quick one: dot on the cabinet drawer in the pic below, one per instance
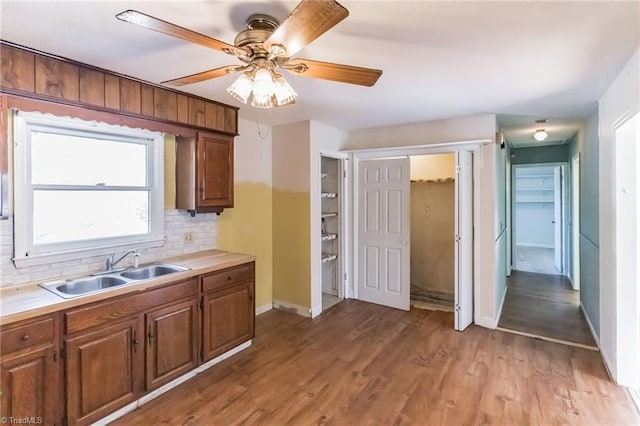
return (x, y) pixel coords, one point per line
(24, 336)
(127, 306)
(224, 278)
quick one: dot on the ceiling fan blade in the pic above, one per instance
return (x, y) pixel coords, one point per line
(308, 21)
(336, 72)
(202, 76)
(164, 27)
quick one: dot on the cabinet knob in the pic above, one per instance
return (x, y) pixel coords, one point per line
(229, 278)
(26, 337)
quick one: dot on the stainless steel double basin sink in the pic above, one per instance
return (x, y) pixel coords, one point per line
(102, 282)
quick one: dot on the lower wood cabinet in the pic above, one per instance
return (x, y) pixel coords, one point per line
(172, 342)
(103, 370)
(30, 371)
(228, 313)
(118, 349)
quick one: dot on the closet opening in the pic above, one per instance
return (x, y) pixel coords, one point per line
(332, 230)
(433, 199)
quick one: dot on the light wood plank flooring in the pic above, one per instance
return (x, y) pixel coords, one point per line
(544, 305)
(360, 363)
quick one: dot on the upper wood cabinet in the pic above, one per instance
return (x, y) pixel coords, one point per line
(30, 371)
(30, 74)
(204, 173)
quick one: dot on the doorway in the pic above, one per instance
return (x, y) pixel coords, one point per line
(538, 218)
(383, 239)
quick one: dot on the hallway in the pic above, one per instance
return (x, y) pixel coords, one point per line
(544, 305)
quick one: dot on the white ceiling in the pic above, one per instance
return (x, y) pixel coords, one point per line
(521, 60)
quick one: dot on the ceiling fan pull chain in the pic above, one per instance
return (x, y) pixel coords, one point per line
(266, 134)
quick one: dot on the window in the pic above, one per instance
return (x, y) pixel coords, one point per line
(84, 188)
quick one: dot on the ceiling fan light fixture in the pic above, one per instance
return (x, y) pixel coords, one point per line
(263, 88)
(241, 88)
(283, 91)
(540, 135)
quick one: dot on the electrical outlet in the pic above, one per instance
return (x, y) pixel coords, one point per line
(187, 238)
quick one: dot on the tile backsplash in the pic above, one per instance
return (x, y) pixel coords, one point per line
(176, 224)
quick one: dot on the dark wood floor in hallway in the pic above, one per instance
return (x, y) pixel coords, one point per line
(544, 305)
(360, 363)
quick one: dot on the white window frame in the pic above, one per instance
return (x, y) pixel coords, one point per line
(25, 253)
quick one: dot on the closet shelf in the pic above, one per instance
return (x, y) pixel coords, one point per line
(328, 236)
(433, 180)
(328, 214)
(328, 195)
(327, 257)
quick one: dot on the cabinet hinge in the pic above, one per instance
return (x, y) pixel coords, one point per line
(55, 356)
(458, 169)
(345, 276)
(65, 422)
(344, 173)
(63, 353)
(201, 304)
(458, 238)
(457, 308)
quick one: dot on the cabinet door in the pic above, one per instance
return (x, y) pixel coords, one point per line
(228, 319)
(172, 342)
(214, 170)
(104, 371)
(30, 385)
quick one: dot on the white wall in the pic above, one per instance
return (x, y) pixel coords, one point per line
(620, 101)
(489, 290)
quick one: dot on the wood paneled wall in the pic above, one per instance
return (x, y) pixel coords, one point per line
(34, 75)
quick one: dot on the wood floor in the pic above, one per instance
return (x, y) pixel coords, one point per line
(361, 364)
(544, 305)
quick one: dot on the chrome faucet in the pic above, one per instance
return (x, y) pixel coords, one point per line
(110, 263)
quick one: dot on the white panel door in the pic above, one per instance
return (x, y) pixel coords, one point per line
(383, 232)
(557, 216)
(464, 241)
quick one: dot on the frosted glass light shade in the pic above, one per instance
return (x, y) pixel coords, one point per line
(241, 88)
(283, 92)
(263, 88)
(540, 135)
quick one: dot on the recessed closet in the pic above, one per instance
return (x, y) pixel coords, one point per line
(433, 230)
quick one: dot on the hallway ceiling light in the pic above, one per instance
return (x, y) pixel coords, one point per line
(540, 134)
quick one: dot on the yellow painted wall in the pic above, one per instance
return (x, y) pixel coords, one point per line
(433, 167)
(247, 228)
(291, 247)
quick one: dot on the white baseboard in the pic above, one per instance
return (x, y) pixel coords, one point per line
(264, 308)
(593, 331)
(316, 310)
(292, 307)
(504, 296)
(486, 322)
(165, 388)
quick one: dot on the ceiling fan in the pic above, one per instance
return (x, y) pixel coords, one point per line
(264, 47)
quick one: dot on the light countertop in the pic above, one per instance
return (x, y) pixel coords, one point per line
(29, 300)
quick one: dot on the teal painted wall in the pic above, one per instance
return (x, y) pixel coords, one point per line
(542, 154)
(586, 144)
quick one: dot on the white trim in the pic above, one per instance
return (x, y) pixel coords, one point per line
(504, 296)
(486, 322)
(264, 308)
(475, 147)
(402, 151)
(593, 331)
(292, 307)
(28, 254)
(174, 383)
(635, 397)
(316, 310)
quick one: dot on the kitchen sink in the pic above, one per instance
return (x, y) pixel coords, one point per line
(151, 271)
(93, 284)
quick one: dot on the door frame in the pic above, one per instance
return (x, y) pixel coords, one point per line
(575, 222)
(564, 229)
(344, 231)
(406, 151)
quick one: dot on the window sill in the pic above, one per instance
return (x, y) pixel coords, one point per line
(45, 259)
